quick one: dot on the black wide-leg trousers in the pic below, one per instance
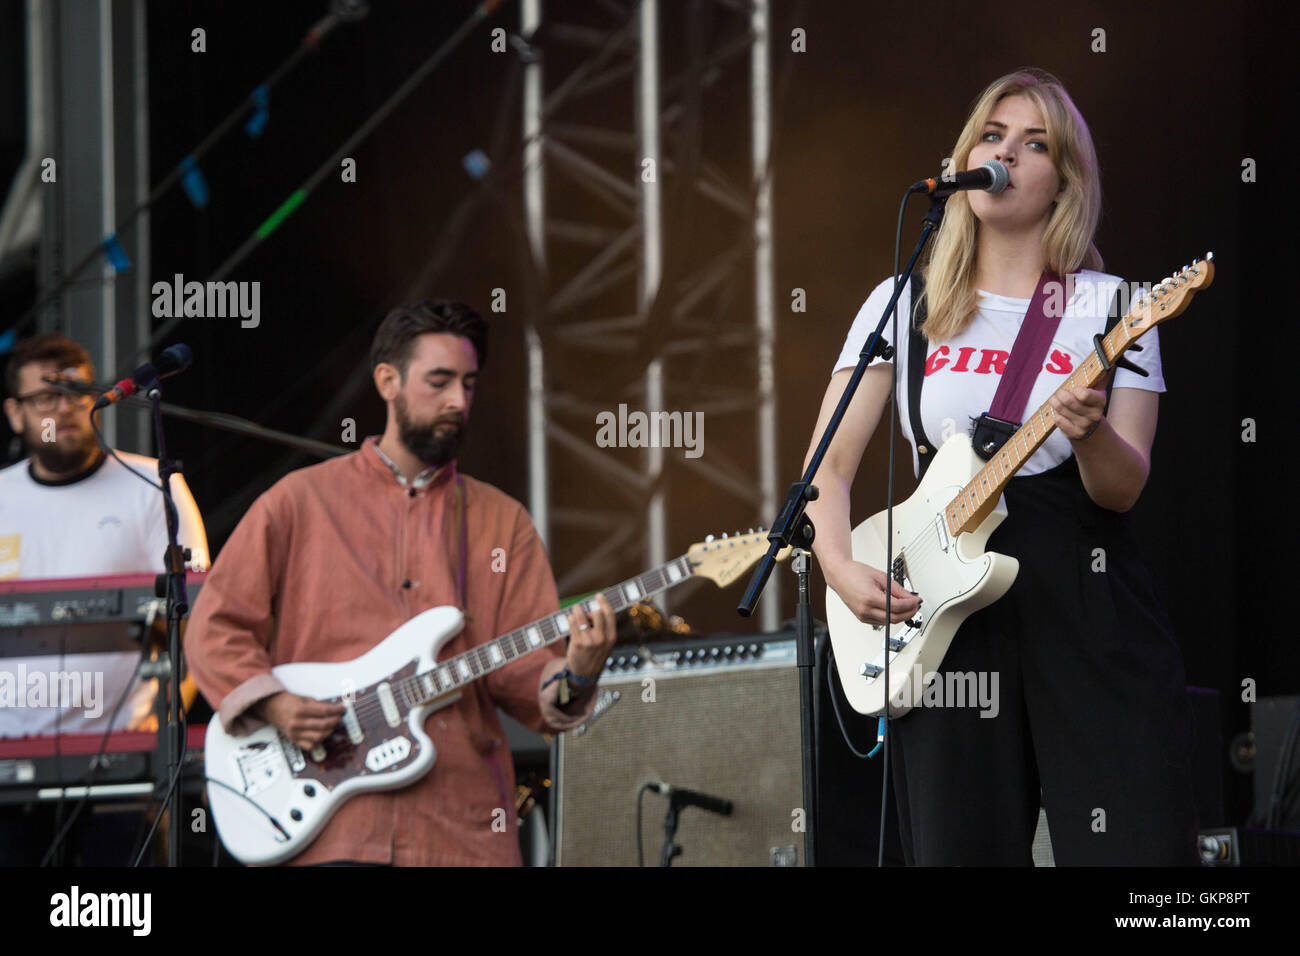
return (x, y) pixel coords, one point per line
(1091, 708)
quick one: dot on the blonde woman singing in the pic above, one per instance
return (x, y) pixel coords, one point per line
(1092, 717)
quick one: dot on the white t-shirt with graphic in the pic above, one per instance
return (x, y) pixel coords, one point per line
(109, 522)
(963, 373)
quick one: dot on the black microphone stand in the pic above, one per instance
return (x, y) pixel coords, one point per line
(793, 528)
(670, 849)
(171, 585)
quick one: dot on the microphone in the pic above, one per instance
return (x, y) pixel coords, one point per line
(691, 798)
(175, 358)
(991, 176)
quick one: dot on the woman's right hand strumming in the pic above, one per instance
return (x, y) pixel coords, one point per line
(862, 589)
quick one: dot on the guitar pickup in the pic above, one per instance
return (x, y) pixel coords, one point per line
(352, 725)
(941, 532)
(388, 703)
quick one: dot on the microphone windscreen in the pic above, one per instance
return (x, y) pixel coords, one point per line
(1001, 176)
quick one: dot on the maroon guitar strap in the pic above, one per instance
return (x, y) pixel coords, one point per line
(1029, 350)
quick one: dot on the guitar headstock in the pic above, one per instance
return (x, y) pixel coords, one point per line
(723, 559)
(1172, 295)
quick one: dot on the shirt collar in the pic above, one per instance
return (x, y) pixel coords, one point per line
(423, 479)
(71, 480)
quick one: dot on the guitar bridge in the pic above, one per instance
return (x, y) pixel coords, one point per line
(899, 569)
(292, 755)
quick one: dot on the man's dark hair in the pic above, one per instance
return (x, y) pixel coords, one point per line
(45, 347)
(396, 337)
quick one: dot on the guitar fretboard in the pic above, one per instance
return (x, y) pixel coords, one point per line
(455, 672)
(973, 502)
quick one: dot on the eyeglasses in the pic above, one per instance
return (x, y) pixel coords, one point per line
(47, 399)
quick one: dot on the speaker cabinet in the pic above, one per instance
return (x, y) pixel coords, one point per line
(1271, 719)
(720, 717)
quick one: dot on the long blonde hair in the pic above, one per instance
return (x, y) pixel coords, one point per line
(950, 292)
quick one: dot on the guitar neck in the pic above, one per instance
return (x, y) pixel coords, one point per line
(980, 495)
(450, 675)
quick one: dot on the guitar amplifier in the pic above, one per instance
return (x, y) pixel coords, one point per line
(719, 716)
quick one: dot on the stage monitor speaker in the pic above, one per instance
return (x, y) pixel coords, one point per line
(1271, 720)
(720, 717)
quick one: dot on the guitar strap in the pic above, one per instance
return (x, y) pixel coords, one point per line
(917, 348)
(459, 543)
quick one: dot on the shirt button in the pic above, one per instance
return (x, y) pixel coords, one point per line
(407, 583)
(922, 449)
(412, 492)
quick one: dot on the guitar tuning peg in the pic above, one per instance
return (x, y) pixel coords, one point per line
(724, 536)
(751, 531)
(1209, 257)
(708, 538)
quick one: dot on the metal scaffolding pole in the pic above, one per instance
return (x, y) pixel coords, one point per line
(535, 219)
(615, 292)
(93, 86)
(650, 218)
(764, 303)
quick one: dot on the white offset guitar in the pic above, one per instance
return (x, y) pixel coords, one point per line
(269, 799)
(940, 531)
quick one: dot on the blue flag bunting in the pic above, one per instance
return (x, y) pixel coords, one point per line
(192, 181)
(116, 254)
(261, 98)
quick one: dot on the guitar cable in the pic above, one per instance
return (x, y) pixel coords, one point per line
(640, 853)
(261, 809)
(883, 731)
(86, 779)
(823, 650)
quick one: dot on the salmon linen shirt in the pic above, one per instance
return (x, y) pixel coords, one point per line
(330, 561)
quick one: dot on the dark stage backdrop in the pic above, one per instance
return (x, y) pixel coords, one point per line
(1181, 97)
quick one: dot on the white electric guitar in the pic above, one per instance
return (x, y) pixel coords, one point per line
(269, 799)
(940, 531)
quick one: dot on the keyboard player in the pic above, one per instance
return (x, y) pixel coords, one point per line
(70, 510)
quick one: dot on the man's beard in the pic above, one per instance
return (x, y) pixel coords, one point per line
(61, 458)
(424, 441)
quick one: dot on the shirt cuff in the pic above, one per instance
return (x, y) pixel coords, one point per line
(233, 710)
(548, 699)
